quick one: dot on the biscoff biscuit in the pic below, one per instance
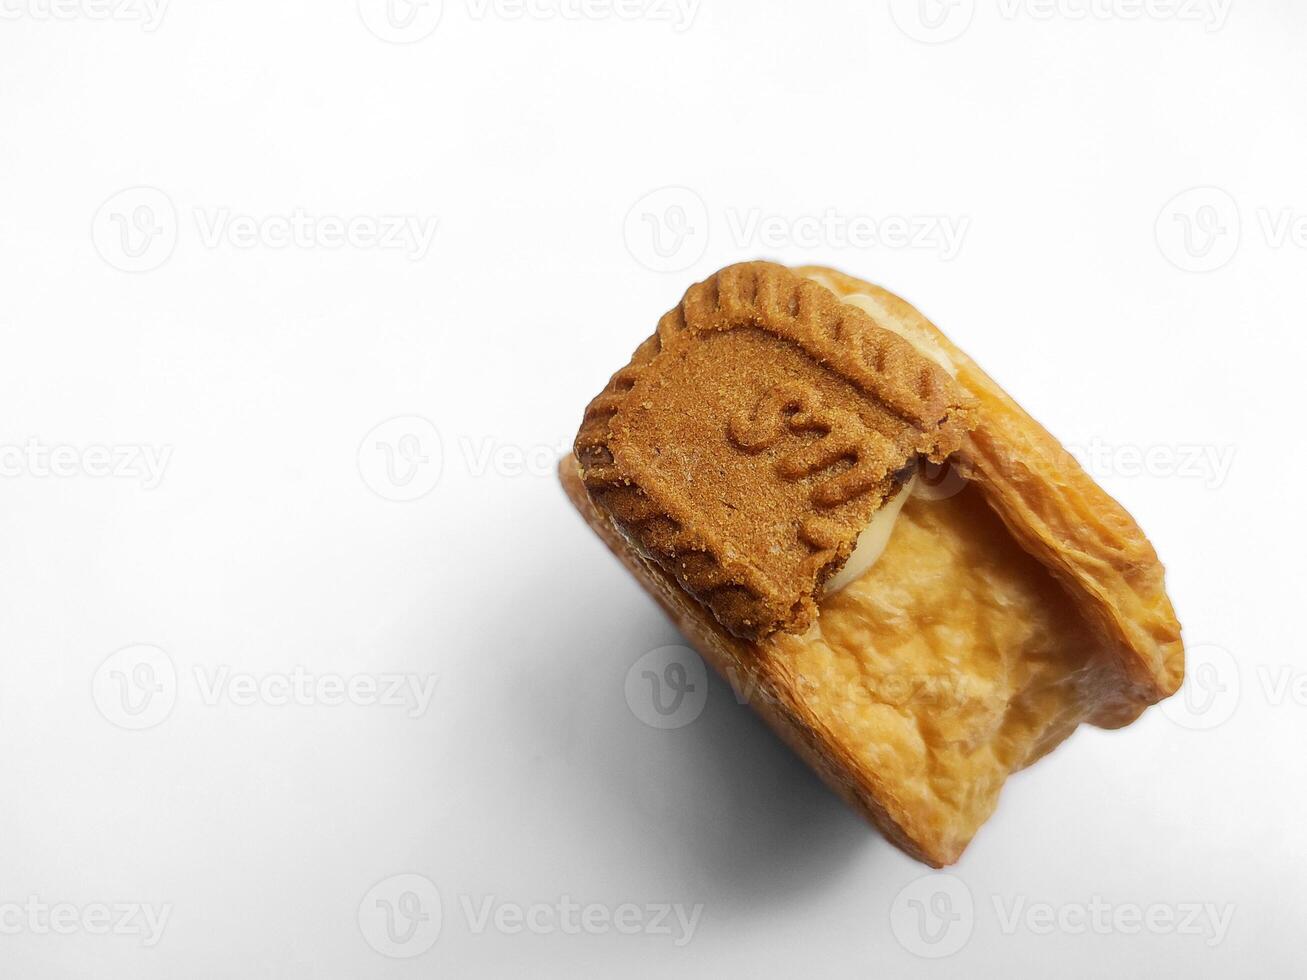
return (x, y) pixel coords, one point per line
(752, 438)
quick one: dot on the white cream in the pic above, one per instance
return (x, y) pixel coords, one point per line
(875, 537)
(872, 541)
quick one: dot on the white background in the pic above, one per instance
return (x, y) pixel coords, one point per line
(273, 546)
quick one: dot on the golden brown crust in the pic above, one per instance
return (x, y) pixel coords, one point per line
(751, 439)
(1056, 511)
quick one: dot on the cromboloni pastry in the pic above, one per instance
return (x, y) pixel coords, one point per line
(914, 583)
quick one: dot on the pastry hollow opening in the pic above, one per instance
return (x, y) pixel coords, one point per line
(950, 662)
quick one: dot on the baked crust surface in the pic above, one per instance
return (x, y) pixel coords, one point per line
(1003, 613)
(1053, 508)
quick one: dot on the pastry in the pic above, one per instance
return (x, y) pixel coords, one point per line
(913, 582)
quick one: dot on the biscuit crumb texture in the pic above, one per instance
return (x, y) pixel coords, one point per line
(753, 436)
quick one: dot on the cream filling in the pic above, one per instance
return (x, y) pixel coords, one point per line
(875, 537)
(872, 541)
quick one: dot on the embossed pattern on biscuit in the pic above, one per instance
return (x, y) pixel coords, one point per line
(842, 436)
(749, 441)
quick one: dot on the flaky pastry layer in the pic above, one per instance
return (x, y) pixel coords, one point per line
(1052, 507)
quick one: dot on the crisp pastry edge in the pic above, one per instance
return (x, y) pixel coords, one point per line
(1057, 513)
